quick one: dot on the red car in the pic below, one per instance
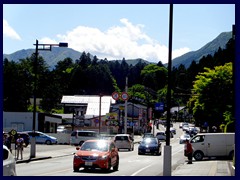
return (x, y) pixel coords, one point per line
(100, 153)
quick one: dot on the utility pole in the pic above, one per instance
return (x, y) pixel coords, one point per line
(125, 120)
(167, 160)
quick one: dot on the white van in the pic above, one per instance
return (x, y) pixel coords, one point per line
(78, 137)
(213, 145)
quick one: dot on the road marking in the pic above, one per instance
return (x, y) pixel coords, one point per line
(140, 170)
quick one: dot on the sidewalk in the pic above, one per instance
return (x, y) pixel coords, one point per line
(205, 168)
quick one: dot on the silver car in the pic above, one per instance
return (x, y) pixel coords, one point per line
(124, 141)
(9, 163)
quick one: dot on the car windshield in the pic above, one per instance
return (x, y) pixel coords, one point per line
(95, 146)
(121, 138)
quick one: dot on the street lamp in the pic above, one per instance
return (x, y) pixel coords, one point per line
(43, 47)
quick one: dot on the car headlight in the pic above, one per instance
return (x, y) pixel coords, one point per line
(77, 157)
(103, 157)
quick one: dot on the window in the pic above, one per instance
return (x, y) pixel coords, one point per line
(197, 139)
(121, 137)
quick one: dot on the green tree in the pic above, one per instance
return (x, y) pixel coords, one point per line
(154, 77)
(213, 94)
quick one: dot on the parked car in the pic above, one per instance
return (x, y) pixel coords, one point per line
(150, 145)
(78, 137)
(161, 136)
(42, 138)
(213, 145)
(124, 141)
(25, 137)
(99, 153)
(146, 135)
(183, 138)
(9, 163)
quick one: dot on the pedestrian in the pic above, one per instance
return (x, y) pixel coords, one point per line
(188, 151)
(7, 141)
(19, 146)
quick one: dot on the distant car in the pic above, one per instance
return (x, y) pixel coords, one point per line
(146, 135)
(185, 127)
(61, 129)
(124, 141)
(183, 138)
(150, 145)
(192, 131)
(173, 130)
(78, 136)
(42, 138)
(99, 153)
(182, 124)
(161, 136)
(9, 163)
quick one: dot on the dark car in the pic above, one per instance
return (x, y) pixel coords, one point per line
(25, 137)
(150, 146)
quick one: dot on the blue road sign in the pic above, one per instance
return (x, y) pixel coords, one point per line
(159, 106)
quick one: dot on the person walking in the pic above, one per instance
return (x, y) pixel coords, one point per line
(189, 151)
(19, 146)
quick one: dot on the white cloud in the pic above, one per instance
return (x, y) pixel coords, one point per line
(127, 41)
(8, 31)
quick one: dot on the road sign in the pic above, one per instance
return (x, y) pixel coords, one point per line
(159, 106)
(115, 95)
(13, 132)
(124, 96)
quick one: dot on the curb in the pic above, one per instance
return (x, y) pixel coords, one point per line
(33, 159)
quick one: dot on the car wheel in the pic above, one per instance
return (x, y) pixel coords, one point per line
(75, 169)
(198, 155)
(48, 142)
(115, 168)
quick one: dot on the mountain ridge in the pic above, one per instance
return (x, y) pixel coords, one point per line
(57, 54)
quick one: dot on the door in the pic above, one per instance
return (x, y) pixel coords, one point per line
(198, 143)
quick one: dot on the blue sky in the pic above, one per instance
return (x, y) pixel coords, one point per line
(116, 31)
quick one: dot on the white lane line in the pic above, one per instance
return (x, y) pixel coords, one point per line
(151, 165)
(140, 170)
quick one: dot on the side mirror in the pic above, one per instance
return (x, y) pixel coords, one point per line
(77, 148)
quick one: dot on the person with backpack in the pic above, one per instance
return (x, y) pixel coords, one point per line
(19, 146)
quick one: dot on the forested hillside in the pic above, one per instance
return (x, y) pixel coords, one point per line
(147, 83)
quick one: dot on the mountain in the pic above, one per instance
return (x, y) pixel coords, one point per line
(57, 53)
(51, 57)
(210, 48)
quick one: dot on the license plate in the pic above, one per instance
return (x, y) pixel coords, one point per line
(87, 163)
(147, 150)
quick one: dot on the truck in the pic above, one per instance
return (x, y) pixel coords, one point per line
(213, 145)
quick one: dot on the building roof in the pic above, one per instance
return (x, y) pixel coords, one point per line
(92, 102)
